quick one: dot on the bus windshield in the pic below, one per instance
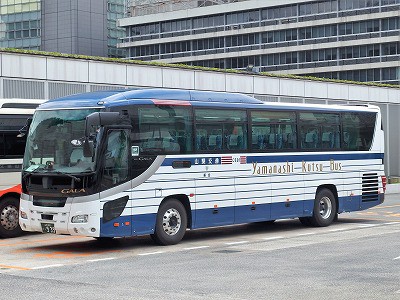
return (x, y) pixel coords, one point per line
(55, 142)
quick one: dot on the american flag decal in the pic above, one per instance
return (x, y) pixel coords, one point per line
(226, 160)
(243, 159)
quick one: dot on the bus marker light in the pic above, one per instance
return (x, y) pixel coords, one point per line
(23, 215)
(127, 223)
(384, 181)
(80, 219)
(215, 206)
(116, 224)
(253, 202)
(191, 195)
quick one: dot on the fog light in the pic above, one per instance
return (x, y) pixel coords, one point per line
(93, 229)
(23, 215)
(80, 219)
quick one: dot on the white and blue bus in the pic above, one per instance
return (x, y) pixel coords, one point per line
(161, 161)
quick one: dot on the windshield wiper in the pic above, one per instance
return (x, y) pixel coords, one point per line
(69, 175)
(51, 172)
(29, 173)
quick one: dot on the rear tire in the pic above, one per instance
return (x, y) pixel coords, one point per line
(171, 223)
(325, 209)
(305, 221)
(9, 218)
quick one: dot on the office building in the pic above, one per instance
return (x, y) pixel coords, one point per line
(342, 39)
(85, 27)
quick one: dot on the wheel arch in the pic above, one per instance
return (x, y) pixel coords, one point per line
(10, 195)
(184, 199)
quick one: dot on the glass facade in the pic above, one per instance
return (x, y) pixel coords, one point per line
(20, 24)
(115, 10)
(296, 37)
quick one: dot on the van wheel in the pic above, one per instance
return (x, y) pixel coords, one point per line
(325, 209)
(9, 213)
(171, 223)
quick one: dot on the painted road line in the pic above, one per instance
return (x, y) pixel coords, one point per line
(41, 241)
(382, 207)
(151, 253)
(48, 266)
(14, 267)
(101, 259)
(367, 225)
(340, 229)
(273, 238)
(195, 248)
(236, 243)
(305, 234)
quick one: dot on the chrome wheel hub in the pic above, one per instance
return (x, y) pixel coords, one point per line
(9, 217)
(171, 221)
(325, 207)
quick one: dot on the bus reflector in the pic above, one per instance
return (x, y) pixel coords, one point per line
(384, 183)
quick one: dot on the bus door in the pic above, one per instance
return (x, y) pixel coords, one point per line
(215, 197)
(116, 195)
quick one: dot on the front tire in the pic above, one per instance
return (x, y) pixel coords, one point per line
(9, 213)
(171, 223)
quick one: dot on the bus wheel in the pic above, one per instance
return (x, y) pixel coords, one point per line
(171, 223)
(325, 209)
(9, 223)
(306, 221)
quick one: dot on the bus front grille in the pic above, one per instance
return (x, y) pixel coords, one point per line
(370, 187)
(49, 201)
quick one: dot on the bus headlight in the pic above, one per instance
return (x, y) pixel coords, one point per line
(23, 215)
(80, 219)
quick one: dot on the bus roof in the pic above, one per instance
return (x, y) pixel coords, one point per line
(110, 98)
(14, 106)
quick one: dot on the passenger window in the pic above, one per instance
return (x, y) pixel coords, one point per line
(319, 131)
(164, 129)
(358, 130)
(273, 130)
(220, 130)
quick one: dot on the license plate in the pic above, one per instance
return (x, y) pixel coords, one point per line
(48, 228)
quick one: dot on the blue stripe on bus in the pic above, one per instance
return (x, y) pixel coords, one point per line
(211, 217)
(280, 158)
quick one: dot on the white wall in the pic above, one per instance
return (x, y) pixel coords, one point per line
(80, 71)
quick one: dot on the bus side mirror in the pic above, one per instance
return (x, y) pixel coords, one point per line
(100, 119)
(24, 130)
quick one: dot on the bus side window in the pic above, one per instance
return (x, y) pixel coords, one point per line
(116, 158)
(2, 144)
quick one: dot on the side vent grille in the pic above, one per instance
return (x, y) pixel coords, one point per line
(370, 187)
